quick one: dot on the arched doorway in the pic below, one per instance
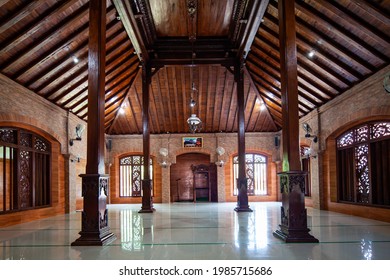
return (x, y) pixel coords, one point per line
(185, 176)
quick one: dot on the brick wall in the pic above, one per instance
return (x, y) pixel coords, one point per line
(131, 144)
(22, 108)
(364, 102)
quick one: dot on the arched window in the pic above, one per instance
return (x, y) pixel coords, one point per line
(256, 173)
(131, 175)
(363, 164)
(24, 170)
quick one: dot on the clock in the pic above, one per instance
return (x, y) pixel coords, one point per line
(386, 82)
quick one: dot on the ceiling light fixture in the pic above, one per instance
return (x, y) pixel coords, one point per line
(193, 90)
(194, 123)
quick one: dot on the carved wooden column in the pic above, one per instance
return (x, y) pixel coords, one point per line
(293, 227)
(94, 227)
(242, 184)
(147, 200)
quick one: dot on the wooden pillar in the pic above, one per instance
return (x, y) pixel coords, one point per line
(242, 183)
(95, 230)
(293, 227)
(147, 200)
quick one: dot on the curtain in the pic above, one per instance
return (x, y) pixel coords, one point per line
(346, 174)
(380, 170)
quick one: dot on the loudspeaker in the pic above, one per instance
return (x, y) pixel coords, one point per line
(277, 141)
(109, 145)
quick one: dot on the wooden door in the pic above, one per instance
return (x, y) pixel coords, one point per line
(182, 177)
(201, 182)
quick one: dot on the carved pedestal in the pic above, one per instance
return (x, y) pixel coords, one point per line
(94, 226)
(147, 200)
(242, 197)
(293, 227)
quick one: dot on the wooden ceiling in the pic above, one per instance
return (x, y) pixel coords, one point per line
(44, 47)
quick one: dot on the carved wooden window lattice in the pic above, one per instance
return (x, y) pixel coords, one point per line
(131, 175)
(256, 174)
(362, 162)
(24, 170)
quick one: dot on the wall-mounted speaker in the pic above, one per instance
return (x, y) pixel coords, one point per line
(277, 141)
(109, 145)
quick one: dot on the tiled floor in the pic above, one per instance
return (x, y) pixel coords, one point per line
(199, 231)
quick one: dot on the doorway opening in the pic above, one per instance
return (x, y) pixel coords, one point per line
(193, 179)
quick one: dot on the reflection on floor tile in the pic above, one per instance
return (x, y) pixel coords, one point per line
(199, 231)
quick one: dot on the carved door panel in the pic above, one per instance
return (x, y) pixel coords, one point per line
(201, 186)
(201, 182)
(182, 176)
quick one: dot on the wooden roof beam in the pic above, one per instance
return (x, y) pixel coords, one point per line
(253, 85)
(324, 90)
(341, 12)
(34, 26)
(133, 31)
(32, 48)
(369, 7)
(252, 23)
(341, 31)
(20, 14)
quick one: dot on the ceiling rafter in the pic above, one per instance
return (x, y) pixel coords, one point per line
(116, 111)
(344, 14)
(31, 49)
(215, 114)
(157, 93)
(33, 27)
(316, 82)
(19, 14)
(175, 94)
(374, 11)
(34, 63)
(340, 31)
(276, 88)
(320, 55)
(259, 96)
(346, 37)
(85, 79)
(316, 78)
(169, 102)
(223, 86)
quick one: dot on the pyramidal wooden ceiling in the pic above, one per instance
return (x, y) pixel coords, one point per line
(44, 47)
